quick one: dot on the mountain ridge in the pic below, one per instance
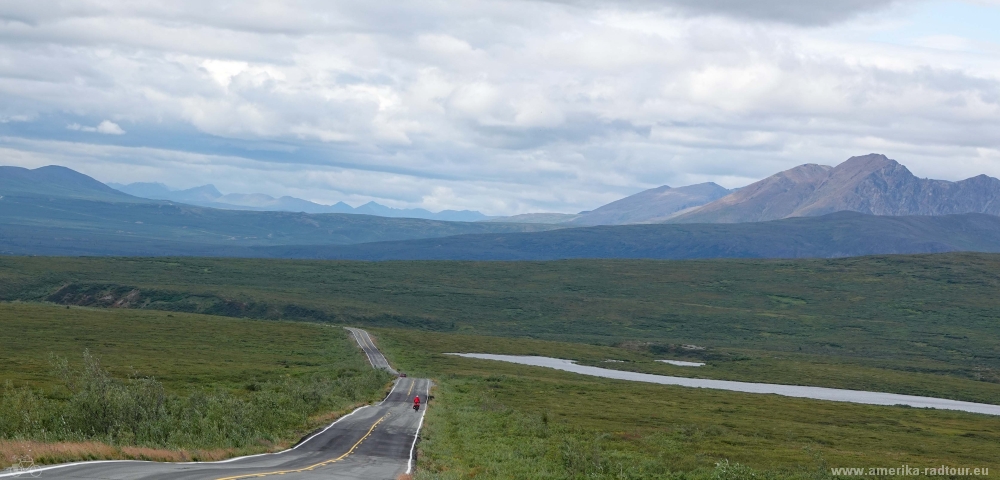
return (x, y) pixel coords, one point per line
(841, 234)
(55, 210)
(56, 180)
(872, 184)
(648, 206)
(651, 206)
(209, 196)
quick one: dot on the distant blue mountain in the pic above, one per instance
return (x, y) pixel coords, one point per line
(57, 211)
(209, 196)
(372, 208)
(650, 206)
(54, 180)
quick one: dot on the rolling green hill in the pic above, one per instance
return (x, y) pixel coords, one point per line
(931, 313)
(919, 325)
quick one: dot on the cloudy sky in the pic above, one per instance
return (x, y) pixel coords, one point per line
(502, 106)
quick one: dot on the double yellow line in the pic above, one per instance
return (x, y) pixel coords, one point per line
(311, 467)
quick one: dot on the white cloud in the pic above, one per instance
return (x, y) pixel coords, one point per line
(106, 127)
(505, 106)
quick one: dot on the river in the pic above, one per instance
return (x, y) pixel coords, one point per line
(816, 393)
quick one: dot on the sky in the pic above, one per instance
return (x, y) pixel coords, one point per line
(501, 106)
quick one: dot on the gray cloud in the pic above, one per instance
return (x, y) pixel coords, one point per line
(801, 12)
(504, 106)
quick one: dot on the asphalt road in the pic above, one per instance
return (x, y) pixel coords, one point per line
(373, 442)
(374, 355)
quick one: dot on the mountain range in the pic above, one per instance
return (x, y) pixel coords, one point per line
(57, 211)
(871, 184)
(866, 205)
(209, 196)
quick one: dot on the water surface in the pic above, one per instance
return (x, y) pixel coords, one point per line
(682, 363)
(816, 393)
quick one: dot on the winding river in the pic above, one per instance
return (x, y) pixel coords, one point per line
(816, 393)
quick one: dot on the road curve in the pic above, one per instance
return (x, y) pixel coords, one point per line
(373, 442)
(374, 355)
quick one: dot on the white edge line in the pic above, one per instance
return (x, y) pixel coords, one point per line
(372, 343)
(394, 385)
(357, 339)
(413, 447)
(373, 347)
(303, 442)
(94, 462)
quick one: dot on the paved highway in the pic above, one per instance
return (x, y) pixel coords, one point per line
(374, 355)
(373, 442)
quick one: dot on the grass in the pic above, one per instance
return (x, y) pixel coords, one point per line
(923, 325)
(59, 452)
(158, 385)
(929, 313)
(496, 420)
(183, 351)
(725, 364)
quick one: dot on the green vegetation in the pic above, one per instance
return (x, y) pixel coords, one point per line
(177, 382)
(924, 325)
(933, 314)
(839, 234)
(728, 364)
(496, 420)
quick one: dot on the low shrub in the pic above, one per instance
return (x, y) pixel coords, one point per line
(93, 405)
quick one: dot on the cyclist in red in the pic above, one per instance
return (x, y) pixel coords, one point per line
(416, 402)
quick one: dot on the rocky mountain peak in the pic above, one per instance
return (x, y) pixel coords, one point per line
(866, 163)
(808, 173)
(871, 184)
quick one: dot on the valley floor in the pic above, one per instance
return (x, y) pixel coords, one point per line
(913, 325)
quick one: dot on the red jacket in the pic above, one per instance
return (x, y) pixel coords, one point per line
(416, 400)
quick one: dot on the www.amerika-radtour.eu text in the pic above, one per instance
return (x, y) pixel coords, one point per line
(906, 470)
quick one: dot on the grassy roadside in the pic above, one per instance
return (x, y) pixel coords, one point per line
(168, 386)
(495, 420)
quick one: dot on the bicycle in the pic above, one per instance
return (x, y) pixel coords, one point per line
(24, 465)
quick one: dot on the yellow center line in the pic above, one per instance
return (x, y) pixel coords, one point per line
(311, 467)
(408, 392)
